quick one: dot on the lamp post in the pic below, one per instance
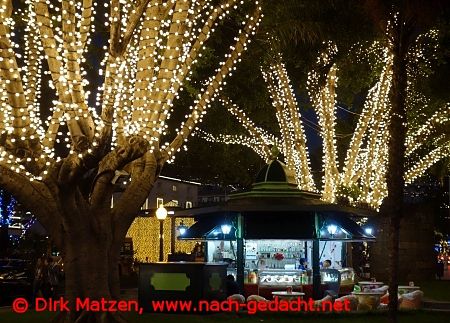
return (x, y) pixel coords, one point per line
(161, 214)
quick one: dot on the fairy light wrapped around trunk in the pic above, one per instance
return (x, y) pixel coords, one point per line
(153, 47)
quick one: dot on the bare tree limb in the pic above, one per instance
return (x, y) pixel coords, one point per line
(144, 173)
(115, 160)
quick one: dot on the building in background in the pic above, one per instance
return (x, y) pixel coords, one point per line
(143, 235)
(213, 194)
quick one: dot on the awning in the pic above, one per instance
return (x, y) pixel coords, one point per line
(339, 226)
(278, 225)
(210, 228)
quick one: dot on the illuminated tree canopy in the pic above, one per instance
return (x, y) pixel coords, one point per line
(361, 179)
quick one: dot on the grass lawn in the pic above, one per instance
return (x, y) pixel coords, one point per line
(438, 290)
(411, 317)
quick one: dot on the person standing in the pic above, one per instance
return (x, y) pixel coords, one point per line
(49, 278)
(38, 278)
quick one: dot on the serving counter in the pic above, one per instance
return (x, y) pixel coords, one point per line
(266, 281)
(181, 281)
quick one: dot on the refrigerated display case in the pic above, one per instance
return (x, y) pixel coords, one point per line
(274, 277)
(347, 276)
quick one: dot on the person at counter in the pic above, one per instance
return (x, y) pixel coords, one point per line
(303, 264)
(231, 285)
(326, 264)
(217, 255)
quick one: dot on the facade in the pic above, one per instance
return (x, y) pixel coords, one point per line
(213, 194)
(143, 235)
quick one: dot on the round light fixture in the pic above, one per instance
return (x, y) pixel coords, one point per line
(161, 213)
(226, 228)
(332, 229)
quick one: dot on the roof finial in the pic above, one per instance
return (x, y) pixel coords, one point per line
(274, 152)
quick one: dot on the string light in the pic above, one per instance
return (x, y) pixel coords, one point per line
(152, 50)
(362, 181)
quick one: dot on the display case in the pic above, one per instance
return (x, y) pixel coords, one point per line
(330, 276)
(344, 276)
(347, 276)
(274, 277)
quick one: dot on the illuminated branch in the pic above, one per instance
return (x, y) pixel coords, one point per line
(56, 69)
(301, 158)
(254, 131)
(417, 138)
(85, 24)
(376, 99)
(323, 97)
(251, 142)
(19, 114)
(147, 60)
(210, 92)
(218, 12)
(419, 167)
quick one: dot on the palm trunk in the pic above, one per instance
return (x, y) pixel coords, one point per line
(395, 181)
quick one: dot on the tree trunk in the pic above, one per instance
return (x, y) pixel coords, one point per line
(91, 272)
(393, 207)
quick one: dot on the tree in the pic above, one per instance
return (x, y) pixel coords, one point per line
(401, 22)
(153, 47)
(362, 177)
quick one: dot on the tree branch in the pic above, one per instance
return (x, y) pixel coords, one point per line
(254, 132)
(55, 66)
(115, 160)
(167, 69)
(218, 12)
(419, 168)
(33, 196)
(143, 175)
(375, 101)
(133, 22)
(85, 24)
(114, 32)
(211, 90)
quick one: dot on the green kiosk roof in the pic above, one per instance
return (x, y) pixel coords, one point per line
(276, 209)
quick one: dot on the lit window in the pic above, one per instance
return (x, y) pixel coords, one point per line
(145, 205)
(174, 188)
(188, 204)
(159, 201)
(174, 202)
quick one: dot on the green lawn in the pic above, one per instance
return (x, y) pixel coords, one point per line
(438, 290)
(411, 317)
